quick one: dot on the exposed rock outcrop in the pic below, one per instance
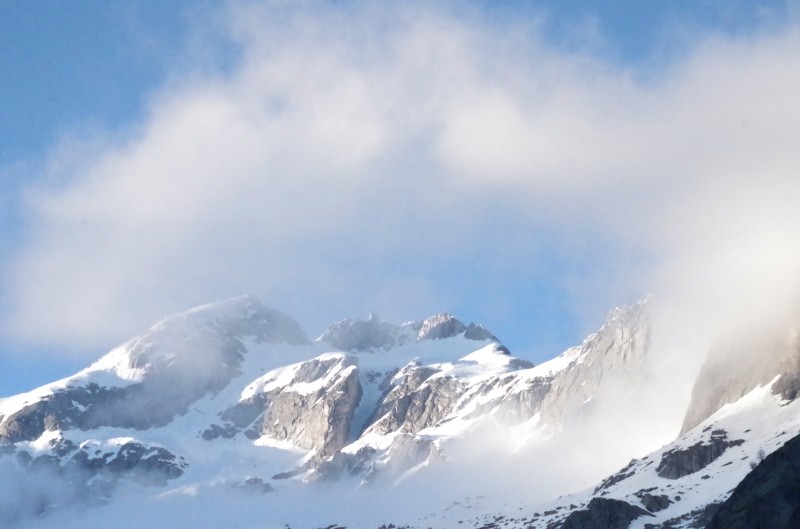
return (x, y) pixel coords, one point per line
(70, 474)
(677, 463)
(406, 452)
(367, 335)
(132, 460)
(653, 502)
(478, 333)
(604, 513)
(392, 409)
(616, 353)
(520, 397)
(768, 497)
(309, 404)
(440, 326)
(415, 400)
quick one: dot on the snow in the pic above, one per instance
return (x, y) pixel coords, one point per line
(762, 420)
(114, 368)
(559, 363)
(286, 377)
(42, 444)
(527, 462)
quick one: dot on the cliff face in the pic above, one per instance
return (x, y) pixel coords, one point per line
(769, 496)
(741, 364)
(309, 405)
(616, 354)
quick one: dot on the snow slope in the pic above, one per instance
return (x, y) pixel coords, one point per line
(229, 416)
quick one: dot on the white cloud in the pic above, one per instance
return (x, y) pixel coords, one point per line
(351, 156)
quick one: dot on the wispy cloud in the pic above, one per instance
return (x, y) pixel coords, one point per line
(351, 156)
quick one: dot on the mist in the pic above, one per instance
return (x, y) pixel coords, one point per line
(406, 160)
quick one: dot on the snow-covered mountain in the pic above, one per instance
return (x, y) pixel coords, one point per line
(228, 415)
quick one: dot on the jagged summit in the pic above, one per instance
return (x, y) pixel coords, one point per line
(366, 335)
(232, 397)
(374, 334)
(440, 326)
(443, 325)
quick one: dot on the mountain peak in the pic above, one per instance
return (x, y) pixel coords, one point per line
(372, 334)
(444, 325)
(441, 325)
(246, 316)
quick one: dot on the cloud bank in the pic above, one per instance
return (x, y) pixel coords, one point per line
(408, 159)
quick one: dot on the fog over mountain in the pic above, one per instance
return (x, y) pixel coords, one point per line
(229, 415)
(437, 208)
(459, 160)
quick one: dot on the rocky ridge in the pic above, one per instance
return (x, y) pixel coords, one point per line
(375, 402)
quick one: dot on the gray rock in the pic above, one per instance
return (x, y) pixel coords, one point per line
(769, 496)
(677, 463)
(341, 463)
(254, 485)
(653, 502)
(604, 513)
(366, 335)
(616, 353)
(478, 332)
(739, 365)
(415, 401)
(406, 452)
(521, 399)
(316, 420)
(626, 472)
(71, 475)
(440, 326)
(695, 519)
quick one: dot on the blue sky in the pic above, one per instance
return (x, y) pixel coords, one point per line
(527, 165)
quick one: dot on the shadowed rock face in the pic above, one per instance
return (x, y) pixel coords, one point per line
(478, 332)
(654, 502)
(604, 513)
(678, 463)
(768, 497)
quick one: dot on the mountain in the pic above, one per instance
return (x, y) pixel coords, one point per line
(229, 415)
(734, 462)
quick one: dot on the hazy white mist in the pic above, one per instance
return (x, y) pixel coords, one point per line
(349, 155)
